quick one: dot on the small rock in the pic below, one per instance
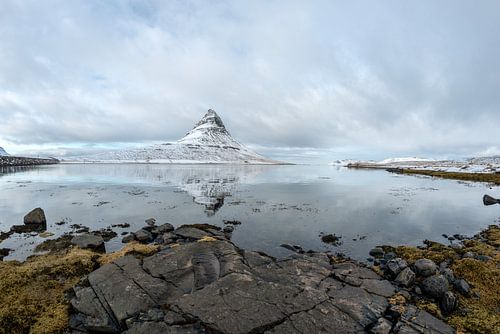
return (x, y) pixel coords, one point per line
(150, 221)
(406, 277)
(128, 238)
(448, 273)
(377, 252)
(425, 267)
(389, 256)
(457, 246)
(228, 229)
(89, 241)
(163, 228)
(383, 326)
(469, 255)
(293, 248)
(483, 258)
(417, 290)
(143, 236)
(462, 286)
(45, 234)
(169, 237)
(232, 222)
(331, 239)
(448, 302)
(435, 286)
(395, 266)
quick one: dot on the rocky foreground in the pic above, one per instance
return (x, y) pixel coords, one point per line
(193, 279)
(203, 283)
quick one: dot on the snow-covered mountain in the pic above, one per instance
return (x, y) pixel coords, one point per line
(2, 152)
(208, 142)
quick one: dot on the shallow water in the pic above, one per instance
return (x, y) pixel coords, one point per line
(276, 204)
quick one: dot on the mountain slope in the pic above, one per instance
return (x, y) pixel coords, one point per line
(3, 153)
(208, 142)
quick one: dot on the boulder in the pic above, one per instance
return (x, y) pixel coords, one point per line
(143, 236)
(406, 277)
(425, 267)
(36, 217)
(435, 286)
(90, 241)
(377, 252)
(163, 228)
(128, 238)
(488, 200)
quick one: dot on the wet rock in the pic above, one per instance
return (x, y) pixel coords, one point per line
(293, 248)
(462, 286)
(425, 267)
(488, 200)
(128, 238)
(395, 266)
(389, 256)
(4, 252)
(169, 237)
(448, 302)
(406, 277)
(228, 229)
(150, 221)
(331, 239)
(232, 222)
(163, 228)
(377, 252)
(483, 258)
(193, 233)
(143, 236)
(123, 225)
(435, 286)
(90, 241)
(36, 217)
(106, 234)
(383, 326)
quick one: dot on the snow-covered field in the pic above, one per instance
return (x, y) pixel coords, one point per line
(207, 142)
(470, 165)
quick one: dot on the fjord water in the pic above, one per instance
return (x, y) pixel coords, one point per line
(275, 204)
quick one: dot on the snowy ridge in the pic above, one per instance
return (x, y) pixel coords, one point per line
(207, 142)
(3, 153)
(404, 160)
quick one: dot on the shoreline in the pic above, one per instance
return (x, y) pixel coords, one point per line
(68, 280)
(13, 161)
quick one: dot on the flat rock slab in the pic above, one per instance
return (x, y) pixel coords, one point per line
(91, 241)
(211, 286)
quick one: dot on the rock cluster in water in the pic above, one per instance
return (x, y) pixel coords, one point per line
(200, 282)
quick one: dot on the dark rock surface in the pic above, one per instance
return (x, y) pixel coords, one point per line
(488, 200)
(91, 241)
(425, 267)
(22, 161)
(435, 286)
(205, 284)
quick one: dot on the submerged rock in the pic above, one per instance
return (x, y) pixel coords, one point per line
(488, 200)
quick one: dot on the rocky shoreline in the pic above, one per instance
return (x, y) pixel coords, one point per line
(193, 279)
(7, 161)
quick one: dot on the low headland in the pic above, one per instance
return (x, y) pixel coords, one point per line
(9, 161)
(193, 279)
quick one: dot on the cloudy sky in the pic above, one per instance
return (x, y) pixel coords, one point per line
(316, 79)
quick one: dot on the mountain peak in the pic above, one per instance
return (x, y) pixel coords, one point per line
(210, 119)
(210, 130)
(2, 152)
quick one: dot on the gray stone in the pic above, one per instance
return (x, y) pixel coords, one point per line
(383, 326)
(406, 277)
(377, 252)
(163, 228)
(150, 221)
(448, 302)
(128, 238)
(143, 236)
(484, 258)
(448, 273)
(415, 321)
(425, 267)
(395, 266)
(469, 255)
(36, 217)
(90, 241)
(435, 286)
(462, 286)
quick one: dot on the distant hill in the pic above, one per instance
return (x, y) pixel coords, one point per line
(3, 153)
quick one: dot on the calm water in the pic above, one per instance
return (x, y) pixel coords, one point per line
(276, 204)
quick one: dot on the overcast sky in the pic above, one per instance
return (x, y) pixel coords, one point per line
(321, 79)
